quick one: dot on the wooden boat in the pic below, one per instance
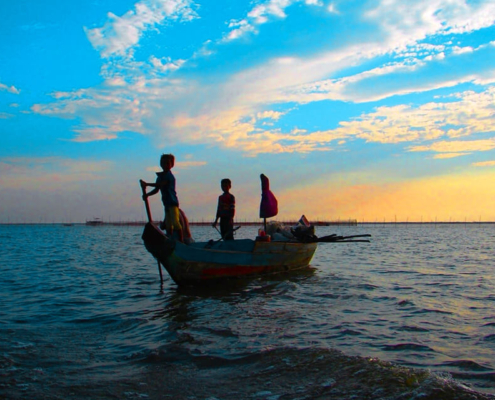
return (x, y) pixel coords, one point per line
(215, 261)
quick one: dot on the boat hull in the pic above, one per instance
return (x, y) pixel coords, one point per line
(210, 262)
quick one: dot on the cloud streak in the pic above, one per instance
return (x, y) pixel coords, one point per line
(11, 89)
(485, 164)
(261, 14)
(47, 173)
(120, 35)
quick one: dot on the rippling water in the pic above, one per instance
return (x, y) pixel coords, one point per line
(409, 315)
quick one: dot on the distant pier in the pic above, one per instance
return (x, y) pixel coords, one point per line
(348, 222)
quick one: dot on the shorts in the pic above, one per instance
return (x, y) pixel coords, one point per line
(227, 228)
(172, 221)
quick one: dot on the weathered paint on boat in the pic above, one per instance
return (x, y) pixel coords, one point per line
(215, 261)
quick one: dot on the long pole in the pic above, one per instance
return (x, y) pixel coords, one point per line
(148, 213)
(145, 199)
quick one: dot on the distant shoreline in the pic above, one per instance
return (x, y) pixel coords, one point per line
(260, 223)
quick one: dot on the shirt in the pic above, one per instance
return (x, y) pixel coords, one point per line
(226, 206)
(169, 196)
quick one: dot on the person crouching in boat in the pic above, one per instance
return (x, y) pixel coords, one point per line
(188, 239)
(165, 183)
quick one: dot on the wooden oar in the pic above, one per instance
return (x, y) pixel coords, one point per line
(334, 238)
(148, 213)
(349, 241)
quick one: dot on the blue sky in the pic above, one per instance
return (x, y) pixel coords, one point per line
(375, 110)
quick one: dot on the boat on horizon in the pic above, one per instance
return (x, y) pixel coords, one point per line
(94, 222)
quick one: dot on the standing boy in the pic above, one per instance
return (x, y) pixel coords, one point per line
(226, 211)
(165, 183)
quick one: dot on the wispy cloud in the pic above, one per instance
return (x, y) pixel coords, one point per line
(484, 164)
(225, 114)
(275, 115)
(181, 165)
(190, 164)
(332, 8)
(92, 134)
(263, 13)
(46, 173)
(443, 156)
(472, 113)
(166, 64)
(457, 146)
(120, 35)
(11, 89)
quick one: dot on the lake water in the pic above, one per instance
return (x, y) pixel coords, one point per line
(408, 316)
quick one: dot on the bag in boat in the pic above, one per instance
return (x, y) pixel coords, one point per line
(269, 203)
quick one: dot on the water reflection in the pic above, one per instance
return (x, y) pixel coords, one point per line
(179, 301)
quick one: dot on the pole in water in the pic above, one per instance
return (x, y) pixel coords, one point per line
(146, 203)
(160, 271)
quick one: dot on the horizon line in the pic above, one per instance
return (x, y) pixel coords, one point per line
(260, 222)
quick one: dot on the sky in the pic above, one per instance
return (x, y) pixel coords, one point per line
(375, 110)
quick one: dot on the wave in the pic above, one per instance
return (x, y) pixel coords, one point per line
(293, 373)
(466, 365)
(407, 347)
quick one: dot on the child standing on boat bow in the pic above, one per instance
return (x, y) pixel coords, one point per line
(165, 183)
(226, 211)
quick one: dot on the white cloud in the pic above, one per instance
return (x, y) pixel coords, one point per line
(241, 28)
(92, 134)
(261, 14)
(166, 64)
(332, 9)
(120, 35)
(462, 50)
(189, 164)
(408, 22)
(10, 89)
(275, 115)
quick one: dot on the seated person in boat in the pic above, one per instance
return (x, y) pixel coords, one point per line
(226, 211)
(188, 239)
(165, 183)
